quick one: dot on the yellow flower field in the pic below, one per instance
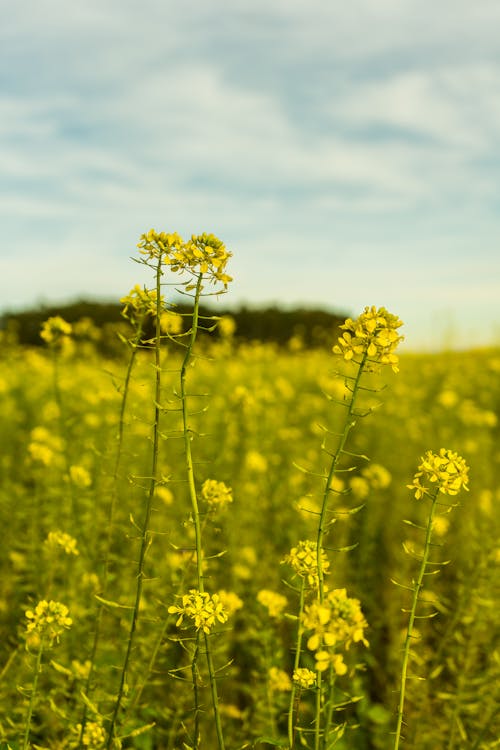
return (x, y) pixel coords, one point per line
(220, 544)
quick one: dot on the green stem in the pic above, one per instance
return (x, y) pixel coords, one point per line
(38, 665)
(213, 690)
(329, 706)
(295, 704)
(110, 528)
(187, 436)
(317, 718)
(145, 535)
(411, 620)
(349, 423)
(194, 674)
(194, 499)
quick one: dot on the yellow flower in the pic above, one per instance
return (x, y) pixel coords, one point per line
(216, 494)
(55, 330)
(201, 607)
(373, 334)
(274, 602)
(48, 620)
(337, 622)
(203, 254)
(279, 681)
(226, 326)
(446, 470)
(61, 539)
(139, 302)
(230, 601)
(80, 477)
(303, 559)
(93, 735)
(304, 678)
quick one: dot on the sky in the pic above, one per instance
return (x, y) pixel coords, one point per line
(348, 154)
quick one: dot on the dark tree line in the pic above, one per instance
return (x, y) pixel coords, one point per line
(312, 327)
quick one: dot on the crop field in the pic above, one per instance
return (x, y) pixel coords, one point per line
(210, 543)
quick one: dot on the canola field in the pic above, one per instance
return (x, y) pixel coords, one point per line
(214, 544)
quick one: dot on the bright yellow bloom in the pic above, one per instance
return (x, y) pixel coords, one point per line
(171, 322)
(55, 330)
(373, 334)
(325, 658)
(48, 620)
(274, 602)
(446, 470)
(216, 494)
(201, 607)
(230, 601)
(279, 681)
(304, 678)
(80, 477)
(203, 254)
(93, 735)
(336, 623)
(139, 302)
(303, 559)
(226, 326)
(61, 539)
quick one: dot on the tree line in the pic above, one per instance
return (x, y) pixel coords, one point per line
(307, 327)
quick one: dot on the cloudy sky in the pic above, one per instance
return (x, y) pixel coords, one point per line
(347, 153)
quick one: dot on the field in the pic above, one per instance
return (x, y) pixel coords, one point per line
(174, 498)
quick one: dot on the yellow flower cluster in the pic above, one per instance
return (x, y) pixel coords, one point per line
(303, 559)
(61, 539)
(230, 601)
(79, 476)
(93, 735)
(337, 622)
(279, 681)
(202, 608)
(171, 322)
(446, 470)
(216, 494)
(304, 678)
(48, 620)
(275, 603)
(55, 330)
(203, 254)
(138, 303)
(374, 334)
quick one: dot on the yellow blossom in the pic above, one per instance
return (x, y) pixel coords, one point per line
(55, 330)
(203, 254)
(202, 608)
(48, 620)
(279, 681)
(275, 603)
(373, 335)
(216, 494)
(80, 477)
(230, 601)
(303, 559)
(139, 302)
(304, 678)
(446, 470)
(61, 539)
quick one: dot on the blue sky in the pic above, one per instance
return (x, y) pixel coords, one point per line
(347, 153)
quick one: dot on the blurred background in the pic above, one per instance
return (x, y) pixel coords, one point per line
(347, 154)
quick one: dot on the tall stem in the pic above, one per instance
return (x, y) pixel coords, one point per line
(411, 620)
(194, 499)
(145, 534)
(110, 527)
(31, 705)
(349, 423)
(296, 664)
